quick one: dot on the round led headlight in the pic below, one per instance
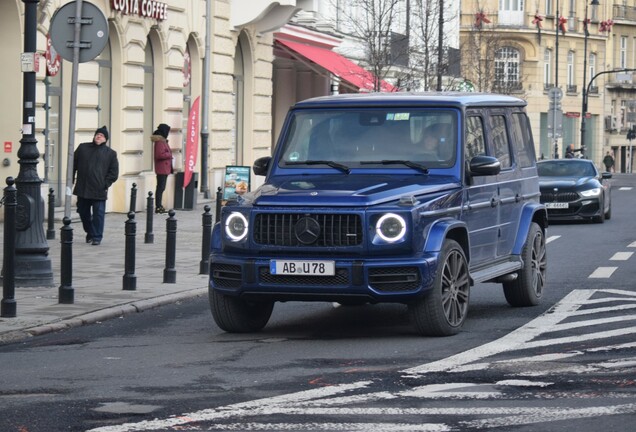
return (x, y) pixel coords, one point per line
(391, 227)
(236, 226)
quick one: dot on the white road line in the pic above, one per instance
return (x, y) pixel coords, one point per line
(618, 292)
(552, 238)
(512, 340)
(594, 322)
(621, 256)
(632, 244)
(340, 400)
(552, 415)
(602, 272)
(625, 188)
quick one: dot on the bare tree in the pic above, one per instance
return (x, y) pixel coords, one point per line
(372, 23)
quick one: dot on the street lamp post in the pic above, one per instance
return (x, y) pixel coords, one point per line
(586, 34)
(32, 264)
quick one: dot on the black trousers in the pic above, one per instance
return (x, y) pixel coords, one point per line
(161, 186)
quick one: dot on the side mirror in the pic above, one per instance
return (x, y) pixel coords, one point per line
(484, 165)
(261, 165)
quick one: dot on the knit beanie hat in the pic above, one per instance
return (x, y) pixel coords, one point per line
(163, 130)
(102, 130)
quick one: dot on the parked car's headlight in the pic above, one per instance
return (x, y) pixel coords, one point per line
(391, 227)
(236, 226)
(591, 192)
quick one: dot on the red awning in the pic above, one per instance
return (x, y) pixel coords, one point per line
(338, 65)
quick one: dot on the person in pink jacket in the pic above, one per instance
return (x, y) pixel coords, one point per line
(163, 162)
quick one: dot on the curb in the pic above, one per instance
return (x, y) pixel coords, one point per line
(101, 315)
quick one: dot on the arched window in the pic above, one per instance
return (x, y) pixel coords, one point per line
(149, 103)
(507, 69)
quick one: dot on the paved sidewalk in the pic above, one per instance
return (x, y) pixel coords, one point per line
(98, 275)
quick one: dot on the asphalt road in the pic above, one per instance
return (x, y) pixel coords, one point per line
(568, 364)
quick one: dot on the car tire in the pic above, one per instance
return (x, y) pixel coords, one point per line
(601, 218)
(527, 288)
(235, 315)
(443, 310)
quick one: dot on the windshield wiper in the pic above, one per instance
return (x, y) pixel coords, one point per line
(345, 169)
(408, 163)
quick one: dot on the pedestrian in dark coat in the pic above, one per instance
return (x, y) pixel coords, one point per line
(95, 169)
(163, 163)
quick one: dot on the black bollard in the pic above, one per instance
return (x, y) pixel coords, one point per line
(8, 306)
(130, 280)
(66, 292)
(133, 197)
(205, 241)
(170, 272)
(150, 205)
(50, 232)
(219, 199)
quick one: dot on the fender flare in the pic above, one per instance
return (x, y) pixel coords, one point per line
(216, 238)
(532, 212)
(444, 228)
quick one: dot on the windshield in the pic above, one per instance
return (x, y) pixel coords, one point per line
(566, 168)
(360, 137)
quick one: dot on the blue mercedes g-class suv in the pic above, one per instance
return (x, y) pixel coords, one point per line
(402, 198)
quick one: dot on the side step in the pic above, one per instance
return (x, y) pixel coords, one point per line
(493, 272)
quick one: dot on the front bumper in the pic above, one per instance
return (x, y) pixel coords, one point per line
(582, 209)
(387, 280)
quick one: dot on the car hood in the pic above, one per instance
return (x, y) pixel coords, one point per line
(346, 190)
(563, 182)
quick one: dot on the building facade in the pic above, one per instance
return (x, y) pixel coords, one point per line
(528, 58)
(150, 72)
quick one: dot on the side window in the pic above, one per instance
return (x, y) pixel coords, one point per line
(475, 144)
(522, 141)
(500, 145)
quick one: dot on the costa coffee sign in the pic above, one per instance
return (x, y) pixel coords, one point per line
(144, 8)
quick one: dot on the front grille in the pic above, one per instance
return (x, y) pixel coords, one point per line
(276, 229)
(559, 197)
(340, 278)
(394, 279)
(226, 275)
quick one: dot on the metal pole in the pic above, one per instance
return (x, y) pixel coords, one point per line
(8, 306)
(71, 125)
(586, 33)
(33, 265)
(205, 241)
(66, 292)
(205, 102)
(556, 81)
(130, 279)
(50, 232)
(170, 272)
(150, 205)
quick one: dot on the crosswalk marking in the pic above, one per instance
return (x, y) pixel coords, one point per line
(602, 272)
(579, 309)
(625, 188)
(621, 256)
(632, 244)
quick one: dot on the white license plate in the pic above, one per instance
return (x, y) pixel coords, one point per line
(557, 205)
(308, 268)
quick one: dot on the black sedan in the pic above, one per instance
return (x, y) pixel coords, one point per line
(574, 189)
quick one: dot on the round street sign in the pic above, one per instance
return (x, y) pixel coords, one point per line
(555, 93)
(93, 34)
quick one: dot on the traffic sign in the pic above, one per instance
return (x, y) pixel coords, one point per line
(93, 33)
(555, 93)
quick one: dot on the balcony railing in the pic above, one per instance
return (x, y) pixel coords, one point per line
(571, 88)
(627, 13)
(593, 90)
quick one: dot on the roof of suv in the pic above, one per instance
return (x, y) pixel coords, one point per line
(455, 99)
